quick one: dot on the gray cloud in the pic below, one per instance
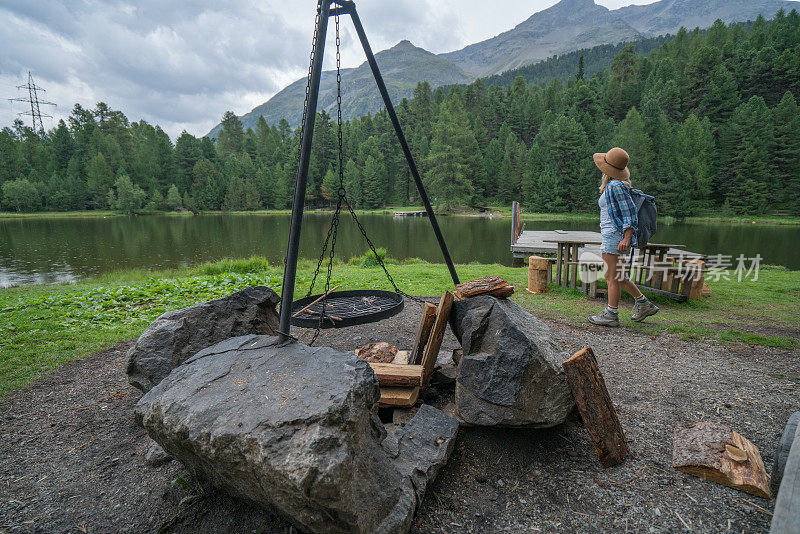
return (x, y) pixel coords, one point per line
(182, 64)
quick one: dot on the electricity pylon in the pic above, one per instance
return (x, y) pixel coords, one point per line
(34, 101)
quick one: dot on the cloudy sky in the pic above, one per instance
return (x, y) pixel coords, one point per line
(183, 64)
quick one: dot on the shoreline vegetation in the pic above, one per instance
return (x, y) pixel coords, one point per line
(45, 326)
(488, 212)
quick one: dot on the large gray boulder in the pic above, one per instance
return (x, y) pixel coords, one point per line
(294, 429)
(179, 334)
(510, 373)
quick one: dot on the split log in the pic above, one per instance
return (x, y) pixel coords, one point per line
(401, 357)
(435, 342)
(717, 453)
(399, 397)
(595, 406)
(397, 374)
(538, 274)
(423, 332)
(786, 519)
(380, 352)
(490, 285)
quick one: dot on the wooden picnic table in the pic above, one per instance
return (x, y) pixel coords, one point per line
(567, 258)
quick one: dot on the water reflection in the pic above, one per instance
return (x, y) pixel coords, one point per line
(56, 250)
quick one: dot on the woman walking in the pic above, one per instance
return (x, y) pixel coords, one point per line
(618, 227)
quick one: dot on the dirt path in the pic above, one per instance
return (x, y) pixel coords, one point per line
(72, 460)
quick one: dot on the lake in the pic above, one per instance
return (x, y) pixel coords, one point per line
(48, 250)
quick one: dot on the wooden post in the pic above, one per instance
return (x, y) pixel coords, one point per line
(559, 262)
(658, 274)
(538, 269)
(423, 332)
(584, 278)
(514, 221)
(575, 265)
(567, 259)
(595, 406)
(642, 257)
(437, 334)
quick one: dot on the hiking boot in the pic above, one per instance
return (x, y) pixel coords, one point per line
(643, 310)
(606, 318)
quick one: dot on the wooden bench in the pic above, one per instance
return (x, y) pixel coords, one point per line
(655, 272)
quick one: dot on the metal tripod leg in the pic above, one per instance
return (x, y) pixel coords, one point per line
(290, 269)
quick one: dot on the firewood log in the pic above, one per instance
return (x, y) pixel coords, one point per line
(490, 285)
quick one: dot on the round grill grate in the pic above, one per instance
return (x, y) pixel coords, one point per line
(347, 308)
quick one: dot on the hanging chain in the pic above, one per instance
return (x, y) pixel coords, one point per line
(341, 199)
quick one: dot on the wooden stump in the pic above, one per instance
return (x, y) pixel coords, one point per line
(595, 406)
(698, 279)
(538, 274)
(717, 453)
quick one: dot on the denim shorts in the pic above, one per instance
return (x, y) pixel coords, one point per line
(611, 242)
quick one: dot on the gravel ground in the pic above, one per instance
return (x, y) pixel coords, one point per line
(72, 460)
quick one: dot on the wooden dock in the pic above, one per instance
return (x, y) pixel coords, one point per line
(532, 242)
(415, 213)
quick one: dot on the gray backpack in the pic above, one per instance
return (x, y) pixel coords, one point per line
(647, 213)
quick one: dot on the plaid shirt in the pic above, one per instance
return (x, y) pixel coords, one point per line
(621, 208)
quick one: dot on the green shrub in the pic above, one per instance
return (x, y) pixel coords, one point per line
(368, 259)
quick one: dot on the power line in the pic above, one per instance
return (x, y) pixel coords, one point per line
(33, 100)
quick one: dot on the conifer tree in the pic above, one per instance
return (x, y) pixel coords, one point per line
(753, 188)
(786, 162)
(452, 163)
(372, 184)
(632, 136)
(99, 180)
(690, 183)
(265, 185)
(231, 136)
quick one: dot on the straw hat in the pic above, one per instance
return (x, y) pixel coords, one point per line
(614, 163)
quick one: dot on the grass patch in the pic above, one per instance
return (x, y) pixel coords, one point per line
(42, 327)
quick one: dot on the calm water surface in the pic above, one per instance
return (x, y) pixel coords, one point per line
(57, 250)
